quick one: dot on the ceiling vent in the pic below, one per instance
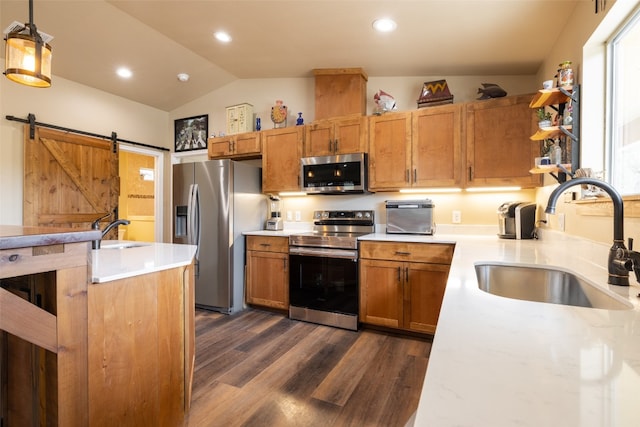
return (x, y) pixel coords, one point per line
(18, 26)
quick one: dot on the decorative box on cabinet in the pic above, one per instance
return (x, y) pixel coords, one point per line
(268, 271)
(402, 284)
(499, 152)
(340, 92)
(239, 118)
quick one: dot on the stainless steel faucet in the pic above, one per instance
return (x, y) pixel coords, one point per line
(96, 226)
(621, 260)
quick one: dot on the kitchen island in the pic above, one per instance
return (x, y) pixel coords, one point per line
(110, 331)
(497, 361)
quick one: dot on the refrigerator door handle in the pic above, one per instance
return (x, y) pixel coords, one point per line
(194, 205)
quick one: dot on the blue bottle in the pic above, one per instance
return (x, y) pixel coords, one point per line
(258, 124)
(299, 120)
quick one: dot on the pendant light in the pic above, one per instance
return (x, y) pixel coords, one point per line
(27, 56)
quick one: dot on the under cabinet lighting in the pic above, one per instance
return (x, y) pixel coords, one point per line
(292, 193)
(492, 189)
(431, 190)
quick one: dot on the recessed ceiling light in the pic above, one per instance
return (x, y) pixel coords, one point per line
(384, 25)
(222, 36)
(123, 72)
(183, 77)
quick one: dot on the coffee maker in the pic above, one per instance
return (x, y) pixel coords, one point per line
(274, 222)
(516, 220)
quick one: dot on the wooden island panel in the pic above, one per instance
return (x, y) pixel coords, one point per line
(141, 349)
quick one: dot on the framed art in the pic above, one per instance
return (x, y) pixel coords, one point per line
(191, 133)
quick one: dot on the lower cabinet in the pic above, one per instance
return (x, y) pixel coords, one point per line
(268, 271)
(402, 284)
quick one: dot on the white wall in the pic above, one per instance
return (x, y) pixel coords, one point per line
(71, 105)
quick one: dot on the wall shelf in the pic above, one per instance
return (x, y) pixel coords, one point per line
(557, 99)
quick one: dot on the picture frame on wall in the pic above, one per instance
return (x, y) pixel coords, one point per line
(191, 133)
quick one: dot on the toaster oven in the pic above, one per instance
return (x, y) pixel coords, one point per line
(410, 216)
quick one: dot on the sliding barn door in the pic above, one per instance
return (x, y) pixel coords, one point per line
(70, 180)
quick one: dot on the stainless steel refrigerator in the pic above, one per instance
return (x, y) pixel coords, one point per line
(213, 203)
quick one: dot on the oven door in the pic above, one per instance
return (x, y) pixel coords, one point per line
(324, 279)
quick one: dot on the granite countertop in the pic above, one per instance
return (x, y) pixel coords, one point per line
(503, 362)
(118, 259)
(18, 236)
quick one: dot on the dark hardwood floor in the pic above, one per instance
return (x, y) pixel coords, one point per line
(258, 368)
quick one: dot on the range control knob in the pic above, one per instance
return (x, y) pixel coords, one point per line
(325, 214)
(359, 215)
(367, 214)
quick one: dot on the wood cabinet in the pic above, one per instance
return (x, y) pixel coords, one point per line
(402, 284)
(336, 136)
(43, 346)
(281, 153)
(436, 146)
(241, 146)
(141, 349)
(422, 148)
(498, 149)
(389, 151)
(268, 271)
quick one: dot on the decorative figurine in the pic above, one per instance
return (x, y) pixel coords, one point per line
(279, 115)
(491, 90)
(384, 102)
(299, 120)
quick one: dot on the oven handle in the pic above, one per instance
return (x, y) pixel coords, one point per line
(324, 252)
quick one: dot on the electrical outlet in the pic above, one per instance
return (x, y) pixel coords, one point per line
(298, 216)
(561, 222)
(289, 216)
(456, 217)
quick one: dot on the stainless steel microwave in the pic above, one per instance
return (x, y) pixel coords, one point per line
(344, 173)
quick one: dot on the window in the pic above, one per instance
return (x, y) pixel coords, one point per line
(623, 127)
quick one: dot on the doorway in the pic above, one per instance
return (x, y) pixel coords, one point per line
(141, 175)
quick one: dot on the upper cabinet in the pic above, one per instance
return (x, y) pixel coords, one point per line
(336, 136)
(436, 149)
(389, 151)
(422, 148)
(281, 153)
(240, 146)
(499, 151)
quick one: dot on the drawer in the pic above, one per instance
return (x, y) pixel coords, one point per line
(436, 253)
(268, 243)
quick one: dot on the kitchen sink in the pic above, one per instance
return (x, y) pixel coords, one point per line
(541, 284)
(121, 245)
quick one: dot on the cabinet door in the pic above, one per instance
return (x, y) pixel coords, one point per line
(319, 139)
(436, 155)
(499, 151)
(350, 135)
(248, 143)
(281, 153)
(423, 295)
(268, 279)
(389, 159)
(220, 147)
(381, 297)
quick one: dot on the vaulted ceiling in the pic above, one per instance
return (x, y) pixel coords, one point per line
(157, 39)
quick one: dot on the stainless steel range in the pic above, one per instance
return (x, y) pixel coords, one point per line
(323, 278)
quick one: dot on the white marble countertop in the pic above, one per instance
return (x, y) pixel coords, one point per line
(502, 362)
(119, 259)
